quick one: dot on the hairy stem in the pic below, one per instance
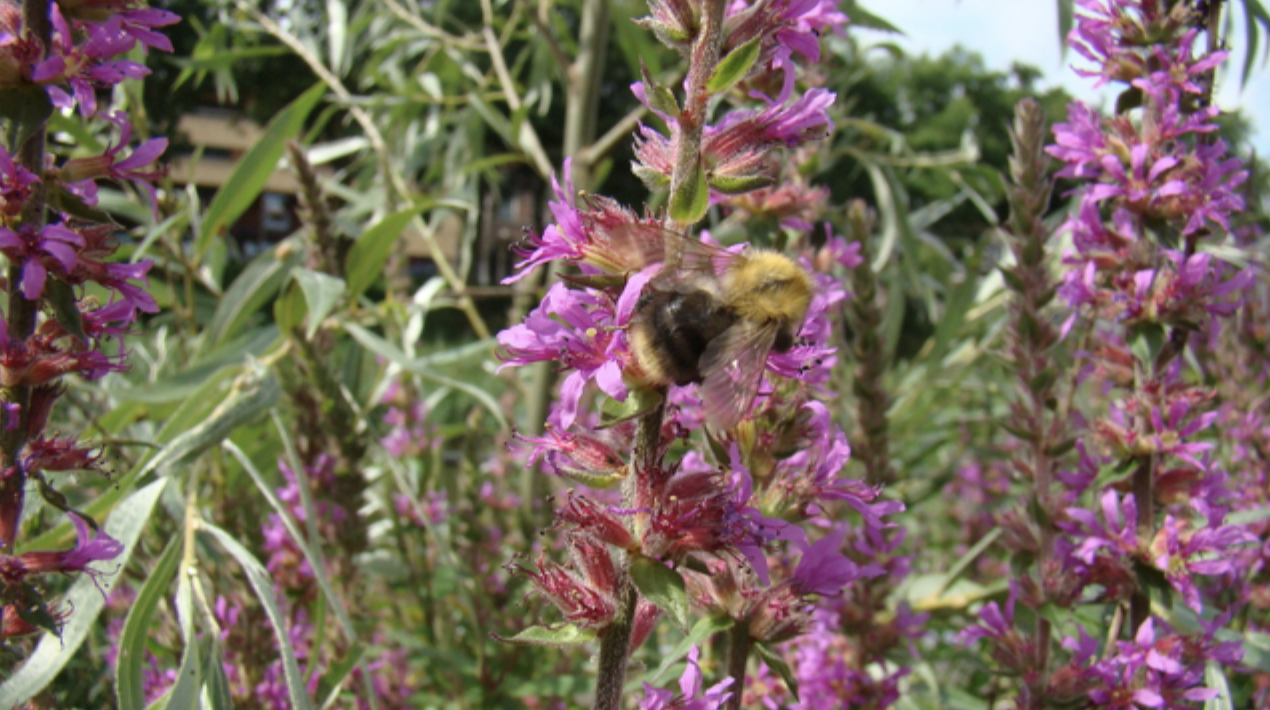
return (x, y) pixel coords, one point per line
(22, 312)
(615, 643)
(692, 120)
(739, 645)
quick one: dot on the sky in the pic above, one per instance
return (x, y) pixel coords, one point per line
(1005, 31)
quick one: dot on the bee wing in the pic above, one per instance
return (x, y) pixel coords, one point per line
(732, 367)
(639, 244)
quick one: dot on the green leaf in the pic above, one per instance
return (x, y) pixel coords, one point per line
(321, 293)
(26, 107)
(189, 679)
(379, 346)
(1128, 100)
(1114, 472)
(289, 310)
(64, 200)
(560, 637)
(370, 252)
(1065, 19)
(333, 678)
(255, 287)
(227, 57)
(251, 173)
(311, 554)
(660, 99)
(85, 599)
(65, 309)
(598, 481)
(861, 17)
(689, 203)
(251, 395)
(961, 298)
(1256, 648)
(662, 586)
(215, 682)
(638, 401)
(701, 631)
(1215, 677)
(132, 642)
(1256, 22)
(1248, 517)
(262, 584)
(734, 67)
(739, 184)
(336, 36)
(778, 664)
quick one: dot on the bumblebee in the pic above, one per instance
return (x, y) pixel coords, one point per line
(713, 317)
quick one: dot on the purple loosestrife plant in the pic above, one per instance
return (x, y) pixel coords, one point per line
(1139, 523)
(699, 509)
(57, 56)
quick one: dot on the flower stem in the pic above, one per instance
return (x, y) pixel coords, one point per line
(615, 643)
(22, 312)
(739, 644)
(1144, 496)
(692, 120)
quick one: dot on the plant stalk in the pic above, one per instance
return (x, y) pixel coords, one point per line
(740, 643)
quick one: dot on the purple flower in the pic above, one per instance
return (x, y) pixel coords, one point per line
(582, 332)
(52, 246)
(1174, 67)
(1210, 550)
(1117, 533)
(79, 173)
(690, 685)
(601, 236)
(92, 545)
(1081, 142)
(823, 570)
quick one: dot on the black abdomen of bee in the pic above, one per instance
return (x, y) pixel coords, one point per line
(684, 323)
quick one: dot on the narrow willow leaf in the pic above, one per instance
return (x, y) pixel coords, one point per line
(189, 679)
(216, 692)
(256, 287)
(334, 677)
(129, 689)
(740, 184)
(290, 308)
(315, 561)
(1215, 677)
(251, 173)
(262, 585)
(387, 350)
(321, 293)
(370, 252)
(252, 395)
(84, 600)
